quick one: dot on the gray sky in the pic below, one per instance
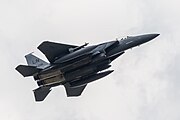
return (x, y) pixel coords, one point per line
(145, 83)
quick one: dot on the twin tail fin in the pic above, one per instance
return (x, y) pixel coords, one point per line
(34, 66)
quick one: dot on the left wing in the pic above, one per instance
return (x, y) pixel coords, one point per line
(52, 50)
(72, 92)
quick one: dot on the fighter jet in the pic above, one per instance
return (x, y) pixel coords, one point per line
(75, 66)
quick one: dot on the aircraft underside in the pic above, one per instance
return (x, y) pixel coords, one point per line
(75, 66)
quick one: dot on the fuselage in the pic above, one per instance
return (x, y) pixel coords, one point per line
(85, 65)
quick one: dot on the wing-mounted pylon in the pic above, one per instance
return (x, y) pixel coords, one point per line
(77, 48)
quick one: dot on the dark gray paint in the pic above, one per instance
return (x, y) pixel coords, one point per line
(75, 66)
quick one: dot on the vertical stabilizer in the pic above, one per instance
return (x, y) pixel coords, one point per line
(32, 60)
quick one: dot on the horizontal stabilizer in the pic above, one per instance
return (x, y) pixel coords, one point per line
(41, 93)
(27, 70)
(73, 92)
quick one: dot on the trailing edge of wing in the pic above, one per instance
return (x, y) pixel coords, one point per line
(27, 70)
(52, 50)
(72, 92)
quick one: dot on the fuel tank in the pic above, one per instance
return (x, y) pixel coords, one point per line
(76, 63)
(90, 79)
(87, 70)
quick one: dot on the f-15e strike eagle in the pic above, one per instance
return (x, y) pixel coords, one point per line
(75, 66)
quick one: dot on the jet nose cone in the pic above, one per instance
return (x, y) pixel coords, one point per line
(152, 36)
(148, 37)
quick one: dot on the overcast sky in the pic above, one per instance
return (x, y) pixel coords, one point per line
(145, 83)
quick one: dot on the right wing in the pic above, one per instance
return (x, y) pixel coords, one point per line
(52, 50)
(73, 92)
